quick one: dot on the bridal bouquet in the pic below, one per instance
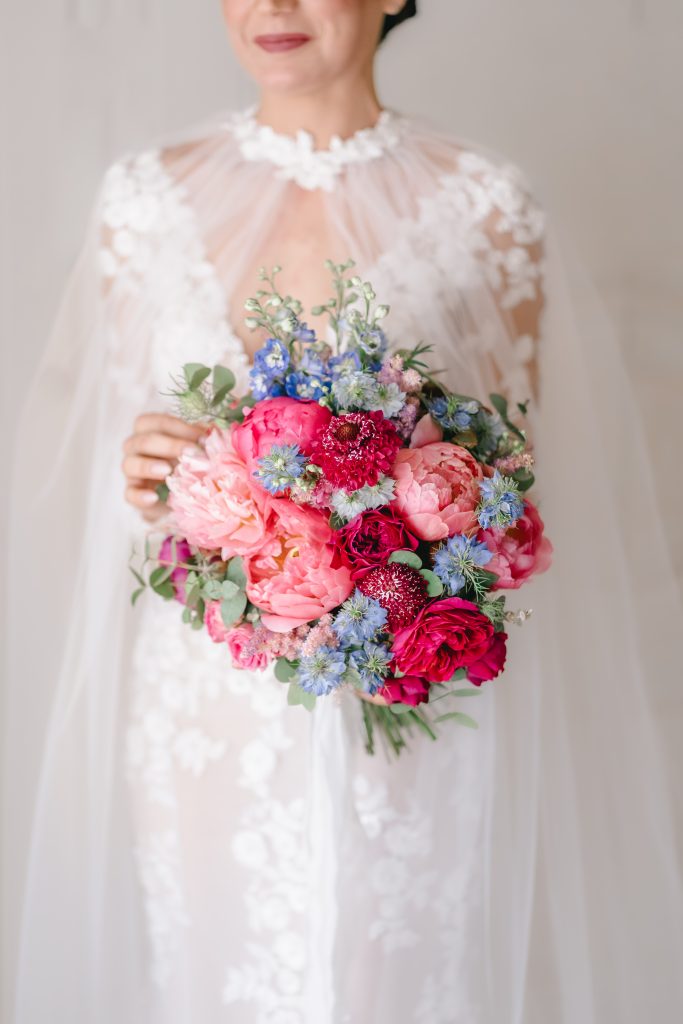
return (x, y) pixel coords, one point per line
(350, 520)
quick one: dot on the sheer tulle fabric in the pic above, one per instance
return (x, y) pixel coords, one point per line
(181, 845)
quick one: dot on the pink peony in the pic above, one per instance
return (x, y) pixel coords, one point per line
(437, 489)
(293, 580)
(411, 690)
(213, 620)
(445, 636)
(245, 648)
(520, 551)
(278, 421)
(183, 553)
(427, 431)
(214, 501)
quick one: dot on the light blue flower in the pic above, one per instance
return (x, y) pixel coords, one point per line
(453, 413)
(322, 671)
(304, 385)
(303, 333)
(263, 385)
(359, 619)
(501, 504)
(357, 390)
(389, 399)
(347, 362)
(348, 504)
(371, 662)
(280, 467)
(489, 428)
(372, 341)
(272, 358)
(456, 561)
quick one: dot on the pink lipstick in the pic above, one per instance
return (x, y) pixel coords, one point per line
(277, 43)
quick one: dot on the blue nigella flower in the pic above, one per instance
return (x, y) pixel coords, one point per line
(490, 428)
(452, 413)
(501, 504)
(322, 671)
(372, 664)
(457, 560)
(359, 619)
(357, 390)
(280, 467)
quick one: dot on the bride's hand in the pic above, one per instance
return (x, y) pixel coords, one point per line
(372, 700)
(149, 455)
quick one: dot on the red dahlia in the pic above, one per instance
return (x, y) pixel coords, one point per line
(398, 588)
(356, 449)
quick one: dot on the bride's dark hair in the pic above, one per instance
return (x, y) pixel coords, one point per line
(392, 20)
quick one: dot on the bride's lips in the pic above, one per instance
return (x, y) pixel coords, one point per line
(276, 43)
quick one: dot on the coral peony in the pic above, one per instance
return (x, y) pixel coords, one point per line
(293, 579)
(215, 503)
(278, 421)
(368, 540)
(437, 489)
(183, 553)
(519, 551)
(356, 449)
(445, 636)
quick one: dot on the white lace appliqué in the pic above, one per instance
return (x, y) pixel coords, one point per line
(297, 159)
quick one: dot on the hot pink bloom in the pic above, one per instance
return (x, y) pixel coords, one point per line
(445, 636)
(369, 539)
(183, 553)
(278, 421)
(411, 690)
(215, 503)
(292, 579)
(437, 489)
(518, 552)
(245, 648)
(492, 663)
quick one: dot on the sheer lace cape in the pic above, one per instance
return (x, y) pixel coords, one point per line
(582, 898)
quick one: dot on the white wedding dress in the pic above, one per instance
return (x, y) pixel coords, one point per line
(200, 851)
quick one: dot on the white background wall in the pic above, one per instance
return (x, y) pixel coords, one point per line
(584, 94)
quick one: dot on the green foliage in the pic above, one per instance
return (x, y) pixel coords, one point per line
(297, 695)
(460, 717)
(434, 584)
(232, 608)
(284, 670)
(407, 557)
(235, 572)
(162, 492)
(500, 404)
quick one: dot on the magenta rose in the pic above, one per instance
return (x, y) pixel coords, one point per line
(445, 636)
(368, 540)
(492, 663)
(183, 553)
(278, 421)
(519, 551)
(437, 489)
(407, 690)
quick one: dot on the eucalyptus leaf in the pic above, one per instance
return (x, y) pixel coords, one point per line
(190, 369)
(434, 584)
(138, 577)
(198, 375)
(165, 590)
(407, 558)
(284, 670)
(162, 492)
(459, 716)
(135, 595)
(232, 608)
(223, 379)
(297, 695)
(159, 575)
(500, 404)
(400, 709)
(229, 589)
(235, 572)
(474, 692)
(213, 590)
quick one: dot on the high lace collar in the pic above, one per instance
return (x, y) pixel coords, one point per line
(296, 158)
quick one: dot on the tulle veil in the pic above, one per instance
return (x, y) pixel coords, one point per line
(582, 882)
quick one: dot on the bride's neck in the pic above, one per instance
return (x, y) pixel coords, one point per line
(339, 110)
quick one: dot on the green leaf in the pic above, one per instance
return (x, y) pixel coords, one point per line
(434, 584)
(165, 590)
(162, 492)
(138, 577)
(524, 478)
(135, 595)
(500, 404)
(284, 670)
(459, 716)
(159, 576)
(474, 692)
(229, 589)
(297, 695)
(407, 557)
(232, 608)
(400, 709)
(195, 374)
(223, 378)
(213, 590)
(235, 572)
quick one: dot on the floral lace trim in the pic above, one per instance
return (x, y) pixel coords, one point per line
(297, 159)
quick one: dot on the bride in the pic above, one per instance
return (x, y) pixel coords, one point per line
(201, 852)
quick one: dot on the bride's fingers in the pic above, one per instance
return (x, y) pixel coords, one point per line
(141, 467)
(162, 423)
(142, 495)
(158, 445)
